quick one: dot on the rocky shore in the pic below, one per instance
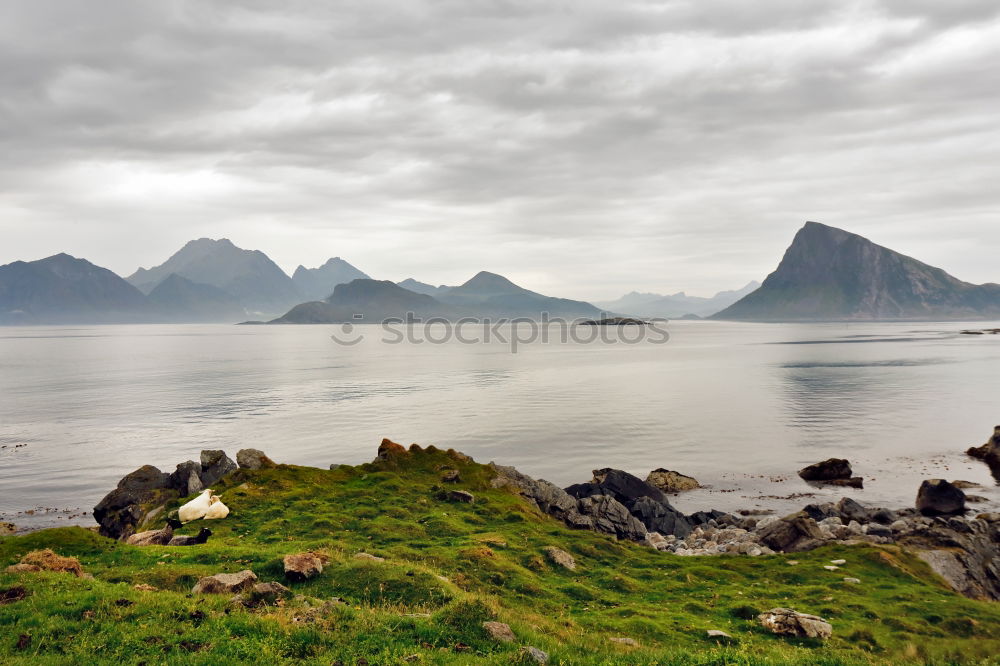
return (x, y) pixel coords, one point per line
(426, 555)
(962, 549)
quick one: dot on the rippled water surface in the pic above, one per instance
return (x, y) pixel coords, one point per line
(739, 406)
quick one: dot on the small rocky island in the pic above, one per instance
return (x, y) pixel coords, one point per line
(614, 321)
(426, 556)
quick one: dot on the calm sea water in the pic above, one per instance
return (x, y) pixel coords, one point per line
(739, 406)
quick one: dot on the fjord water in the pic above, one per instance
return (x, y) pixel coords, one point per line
(739, 406)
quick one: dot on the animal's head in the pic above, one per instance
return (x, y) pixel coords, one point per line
(203, 535)
(215, 498)
(207, 492)
(174, 524)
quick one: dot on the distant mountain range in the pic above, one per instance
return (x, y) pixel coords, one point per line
(315, 284)
(831, 274)
(826, 274)
(205, 281)
(248, 275)
(676, 305)
(368, 302)
(485, 295)
(65, 290)
(423, 287)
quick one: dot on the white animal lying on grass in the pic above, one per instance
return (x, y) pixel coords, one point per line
(196, 508)
(217, 510)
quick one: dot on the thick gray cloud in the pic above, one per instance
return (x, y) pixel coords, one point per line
(584, 148)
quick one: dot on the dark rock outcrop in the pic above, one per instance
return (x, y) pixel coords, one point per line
(966, 553)
(849, 509)
(989, 453)
(141, 494)
(828, 470)
(647, 503)
(548, 497)
(660, 517)
(186, 479)
(938, 497)
(792, 534)
(125, 507)
(215, 464)
(611, 517)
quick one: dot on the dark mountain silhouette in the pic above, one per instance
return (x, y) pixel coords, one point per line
(423, 287)
(831, 274)
(676, 305)
(179, 299)
(316, 284)
(489, 294)
(368, 302)
(64, 289)
(249, 275)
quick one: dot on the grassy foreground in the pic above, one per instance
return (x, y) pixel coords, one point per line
(450, 566)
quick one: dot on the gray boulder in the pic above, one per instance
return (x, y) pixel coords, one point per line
(849, 509)
(533, 655)
(611, 517)
(302, 566)
(966, 553)
(186, 479)
(938, 497)
(548, 497)
(560, 557)
(792, 534)
(662, 518)
(267, 594)
(253, 459)
(224, 583)
(638, 497)
(215, 464)
(787, 622)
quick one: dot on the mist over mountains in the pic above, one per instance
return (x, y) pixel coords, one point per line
(825, 274)
(675, 305)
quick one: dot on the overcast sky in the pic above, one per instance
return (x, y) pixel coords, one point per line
(582, 148)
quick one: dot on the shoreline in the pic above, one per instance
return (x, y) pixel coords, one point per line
(779, 492)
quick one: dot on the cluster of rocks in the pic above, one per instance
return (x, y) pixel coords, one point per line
(613, 502)
(962, 550)
(142, 494)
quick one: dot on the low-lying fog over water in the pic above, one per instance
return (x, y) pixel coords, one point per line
(740, 407)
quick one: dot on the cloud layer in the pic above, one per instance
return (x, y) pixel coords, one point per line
(582, 148)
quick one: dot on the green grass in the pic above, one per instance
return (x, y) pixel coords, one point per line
(449, 567)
